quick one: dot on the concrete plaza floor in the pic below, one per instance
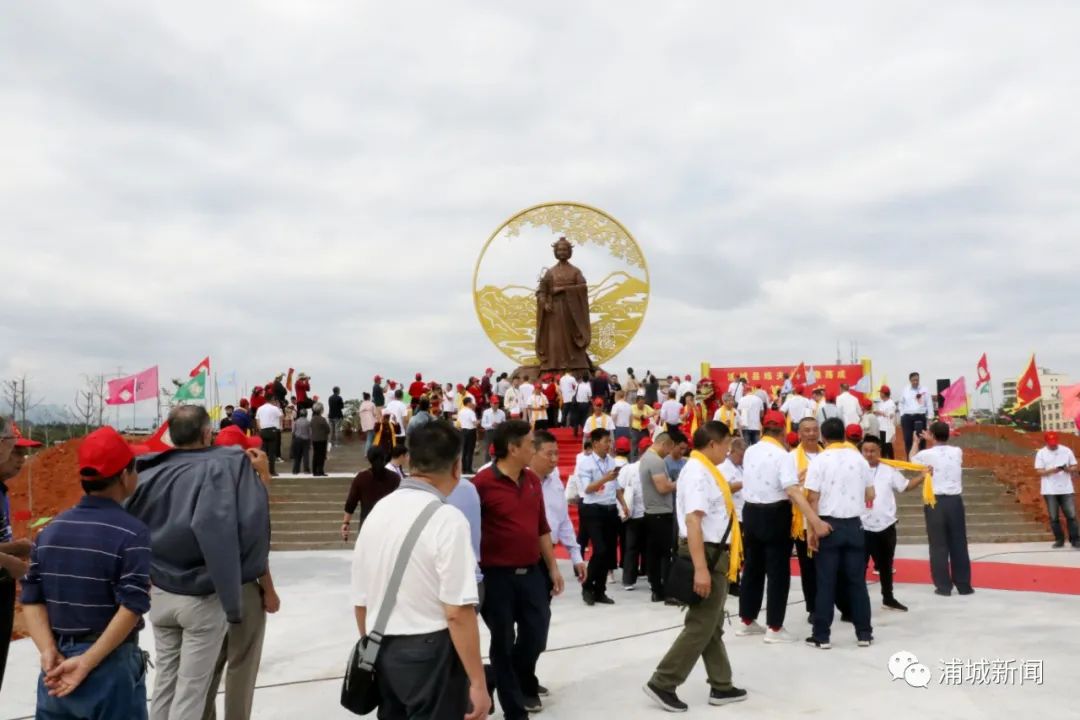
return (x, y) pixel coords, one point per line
(600, 656)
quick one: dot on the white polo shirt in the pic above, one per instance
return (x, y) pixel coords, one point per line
(583, 393)
(466, 418)
(767, 473)
(841, 476)
(398, 409)
(750, 409)
(1060, 483)
(917, 401)
(797, 407)
(698, 492)
(620, 414)
(492, 418)
(947, 462)
(887, 482)
(268, 416)
(848, 405)
(887, 408)
(594, 423)
(734, 474)
(567, 386)
(670, 412)
(525, 391)
(630, 482)
(441, 570)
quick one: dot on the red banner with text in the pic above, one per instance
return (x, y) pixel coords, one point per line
(771, 377)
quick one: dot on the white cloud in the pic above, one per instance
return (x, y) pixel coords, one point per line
(310, 184)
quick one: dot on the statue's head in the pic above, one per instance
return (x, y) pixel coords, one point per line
(564, 250)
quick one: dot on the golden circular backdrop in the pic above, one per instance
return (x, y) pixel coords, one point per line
(518, 253)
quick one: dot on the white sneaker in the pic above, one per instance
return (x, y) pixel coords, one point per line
(752, 629)
(629, 587)
(778, 636)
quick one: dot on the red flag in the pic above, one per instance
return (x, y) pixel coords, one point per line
(1028, 389)
(121, 391)
(204, 366)
(146, 384)
(983, 372)
(799, 376)
(160, 441)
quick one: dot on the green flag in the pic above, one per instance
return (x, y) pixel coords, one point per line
(193, 389)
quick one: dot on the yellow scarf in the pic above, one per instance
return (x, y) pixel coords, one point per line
(727, 416)
(928, 479)
(735, 537)
(798, 526)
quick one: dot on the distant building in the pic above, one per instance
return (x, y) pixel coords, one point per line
(1050, 408)
(1009, 393)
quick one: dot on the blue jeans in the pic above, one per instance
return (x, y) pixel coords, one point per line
(751, 436)
(1067, 505)
(114, 689)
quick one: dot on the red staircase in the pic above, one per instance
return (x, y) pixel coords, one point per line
(569, 447)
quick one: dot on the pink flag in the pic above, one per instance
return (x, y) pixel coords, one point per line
(121, 391)
(146, 384)
(954, 398)
(1070, 402)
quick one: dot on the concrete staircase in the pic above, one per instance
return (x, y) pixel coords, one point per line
(305, 513)
(993, 515)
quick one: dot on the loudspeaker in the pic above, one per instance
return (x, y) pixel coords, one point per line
(941, 385)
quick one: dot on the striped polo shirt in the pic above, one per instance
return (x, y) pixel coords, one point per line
(87, 563)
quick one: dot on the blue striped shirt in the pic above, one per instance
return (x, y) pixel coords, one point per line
(88, 562)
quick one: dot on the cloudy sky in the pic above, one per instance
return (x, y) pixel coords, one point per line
(309, 184)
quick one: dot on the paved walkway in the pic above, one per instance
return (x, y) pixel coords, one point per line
(599, 657)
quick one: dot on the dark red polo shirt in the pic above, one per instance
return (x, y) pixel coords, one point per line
(512, 518)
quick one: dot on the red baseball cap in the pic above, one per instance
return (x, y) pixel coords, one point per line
(598, 402)
(853, 433)
(774, 418)
(20, 441)
(622, 444)
(1052, 439)
(792, 438)
(103, 454)
(645, 443)
(885, 390)
(234, 436)
(378, 378)
(800, 389)
(866, 402)
(494, 399)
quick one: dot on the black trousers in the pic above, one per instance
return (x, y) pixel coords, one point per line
(318, 457)
(912, 425)
(886, 448)
(569, 413)
(468, 450)
(766, 553)
(421, 676)
(553, 415)
(271, 438)
(808, 579)
(946, 531)
(844, 548)
(7, 620)
(633, 559)
(517, 614)
(300, 447)
(658, 548)
(881, 546)
(602, 528)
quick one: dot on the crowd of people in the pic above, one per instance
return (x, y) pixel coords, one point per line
(701, 496)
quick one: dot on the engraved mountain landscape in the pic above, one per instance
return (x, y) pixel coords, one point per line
(617, 304)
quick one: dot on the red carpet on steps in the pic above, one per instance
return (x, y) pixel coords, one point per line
(989, 575)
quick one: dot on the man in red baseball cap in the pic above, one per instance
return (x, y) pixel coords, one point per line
(853, 434)
(1056, 466)
(85, 622)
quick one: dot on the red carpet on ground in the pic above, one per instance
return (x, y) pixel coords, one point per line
(988, 575)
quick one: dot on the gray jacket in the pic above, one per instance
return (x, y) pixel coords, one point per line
(209, 519)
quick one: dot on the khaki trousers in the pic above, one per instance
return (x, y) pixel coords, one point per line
(242, 651)
(702, 635)
(188, 630)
